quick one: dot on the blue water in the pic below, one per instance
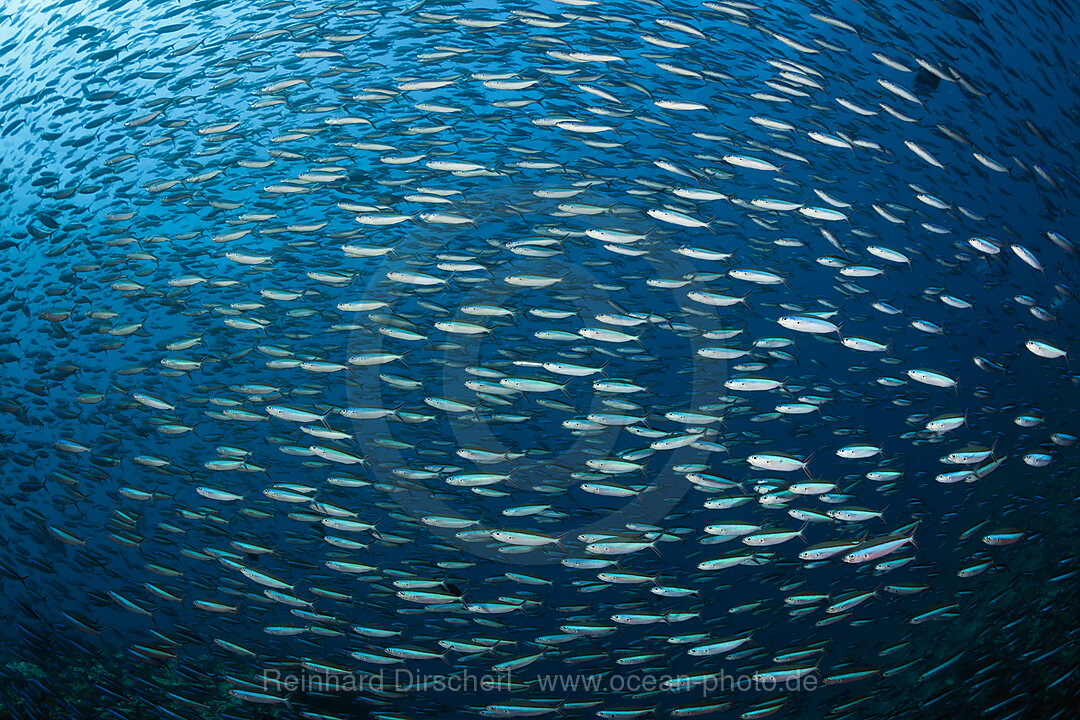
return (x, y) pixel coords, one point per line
(183, 184)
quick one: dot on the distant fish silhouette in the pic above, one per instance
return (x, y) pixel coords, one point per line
(960, 10)
(925, 83)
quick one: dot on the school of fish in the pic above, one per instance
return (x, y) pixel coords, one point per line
(623, 342)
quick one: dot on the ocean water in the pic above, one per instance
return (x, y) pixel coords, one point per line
(557, 359)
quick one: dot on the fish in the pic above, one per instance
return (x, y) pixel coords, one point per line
(586, 358)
